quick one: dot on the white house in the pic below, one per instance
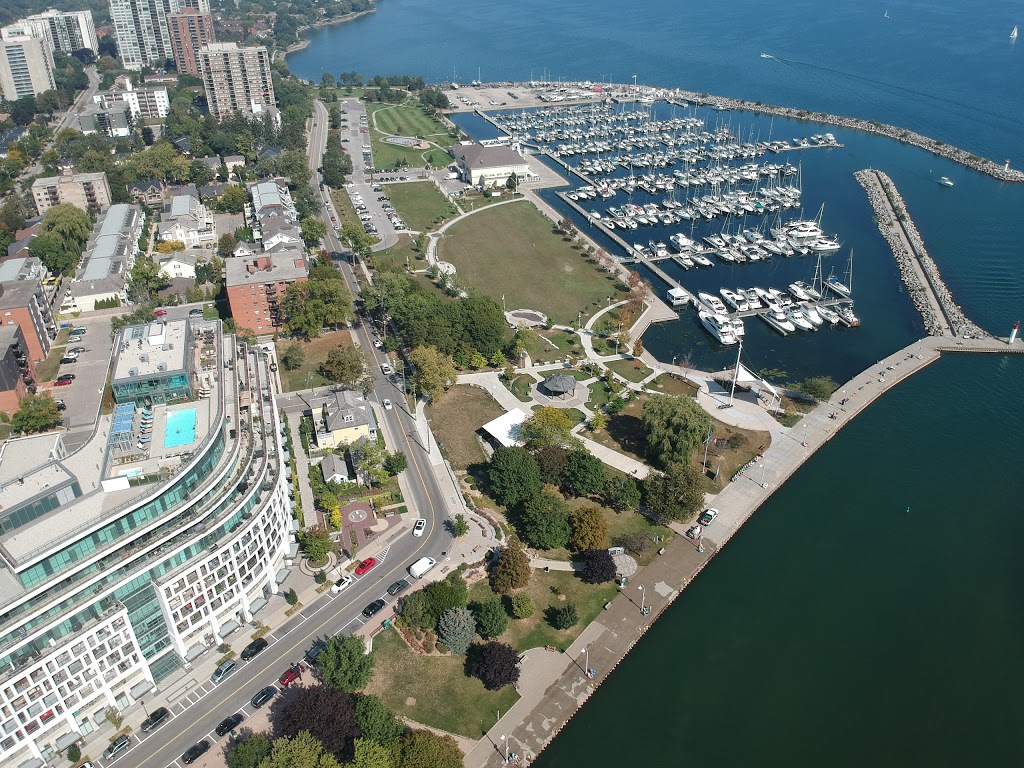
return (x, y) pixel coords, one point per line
(180, 264)
(483, 166)
(188, 221)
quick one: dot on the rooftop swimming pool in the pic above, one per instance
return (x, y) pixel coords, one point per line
(181, 428)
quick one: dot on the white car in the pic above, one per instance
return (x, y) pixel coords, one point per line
(694, 532)
(387, 404)
(341, 584)
(378, 344)
(419, 527)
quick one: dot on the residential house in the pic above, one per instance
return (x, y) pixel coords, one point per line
(334, 469)
(188, 221)
(149, 192)
(343, 418)
(109, 255)
(180, 264)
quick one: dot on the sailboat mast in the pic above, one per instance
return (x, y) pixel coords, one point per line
(736, 373)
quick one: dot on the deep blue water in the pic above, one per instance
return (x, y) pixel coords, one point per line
(836, 629)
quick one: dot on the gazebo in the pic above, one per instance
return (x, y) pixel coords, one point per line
(560, 385)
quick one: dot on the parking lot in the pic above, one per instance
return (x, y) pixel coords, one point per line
(83, 395)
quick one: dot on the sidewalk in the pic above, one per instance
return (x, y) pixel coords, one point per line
(310, 516)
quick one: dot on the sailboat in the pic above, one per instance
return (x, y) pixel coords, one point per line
(1013, 35)
(886, 14)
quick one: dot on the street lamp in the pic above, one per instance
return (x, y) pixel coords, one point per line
(643, 599)
(144, 707)
(586, 664)
(505, 740)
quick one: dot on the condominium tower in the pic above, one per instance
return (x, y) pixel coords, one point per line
(236, 79)
(142, 32)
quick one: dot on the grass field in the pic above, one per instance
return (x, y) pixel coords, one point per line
(406, 120)
(434, 690)
(470, 202)
(511, 251)
(630, 370)
(521, 386)
(420, 204)
(343, 206)
(667, 384)
(548, 591)
(455, 419)
(398, 257)
(308, 374)
(549, 346)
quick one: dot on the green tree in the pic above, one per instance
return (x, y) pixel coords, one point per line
(344, 664)
(819, 387)
(293, 357)
(316, 543)
(36, 413)
(395, 463)
(226, 245)
(676, 494)
(425, 749)
(450, 592)
(563, 617)
(302, 751)
(291, 597)
(146, 280)
(491, 619)
(344, 365)
(512, 568)
(232, 200)
(675, 426)
(433, 372)
(513, 476)
(313, 230)
(356, 238)
(548, 427)
(311, 305)
(584, 473)
(456, 628)
(61, 238)
(376, 721)
(553, 462)
(522, 606)
(543, 521)
(249, 752)
(621, 493)
(589, 529)
(370, 754)
(460, 526)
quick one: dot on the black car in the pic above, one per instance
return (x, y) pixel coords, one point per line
(61, 406)
(75, 351)
(313, 653)
(373, 608)
(68, 359)
(194, 752)
(155, 719)
(264, 696)
(250, 651)
(66, 377)
(228, 724)
(397, 587)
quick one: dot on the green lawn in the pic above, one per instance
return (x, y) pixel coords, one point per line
(434, 690)
(521, 386)
(547, 591)
(308, 374)
(472, 201)
(420, 204)
(599, 395)
(630, 370)
(511, 251)
(343, 205)
(669, 384)
(406, 120)
(398, 257)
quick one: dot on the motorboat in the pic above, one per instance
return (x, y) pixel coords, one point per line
(828, 315)
(736, 300)
(753, 299)
(846, 315)
(799, 320)
(718, 326)
(811, 313)
(778, 320)
(798, 292)
(737, 327)
(701, 259)
(946, 181)
(712, 302)
(809, 292)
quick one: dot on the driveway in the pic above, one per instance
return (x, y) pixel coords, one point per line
(82, 397)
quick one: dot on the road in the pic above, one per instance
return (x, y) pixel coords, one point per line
(84, 99)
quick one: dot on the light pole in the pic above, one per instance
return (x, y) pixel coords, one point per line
(144, 707)
(643, 599)
(505, 740)
(586, 663)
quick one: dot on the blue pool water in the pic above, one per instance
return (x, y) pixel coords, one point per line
(181, 428)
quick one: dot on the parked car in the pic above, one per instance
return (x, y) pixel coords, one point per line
(314, 653)
(62, 383)
(117, 746)
(253, 648)
(194, 752)
(366, 566)
(694, 531)
(708, 517)
(160, 312)
(195, 313)
(75, 351)
(265, 695)
(418, 527)
(341, 584)
(228, 724)
(66, 377)
(79, 330)
(290, 675)
(68, 359)
(397, 587)
(156, 718)
(373, 608)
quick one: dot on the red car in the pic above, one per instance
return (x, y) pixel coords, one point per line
(62, 383)
(366, 565)
(290, 675)
(160, 312)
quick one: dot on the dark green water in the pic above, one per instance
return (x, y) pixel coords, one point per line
(836, 629)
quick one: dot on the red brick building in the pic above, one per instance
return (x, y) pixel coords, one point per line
(256, 285)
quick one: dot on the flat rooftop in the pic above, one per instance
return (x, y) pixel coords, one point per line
(146, 350)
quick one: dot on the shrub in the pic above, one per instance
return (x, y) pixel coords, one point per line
(522, 606)
(74, 753)
(491, 619)
(320, 577)
(291, 597)
(563, 617)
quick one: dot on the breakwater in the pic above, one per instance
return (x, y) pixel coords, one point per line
(942, 316)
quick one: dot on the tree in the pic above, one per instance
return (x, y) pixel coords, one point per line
(584, 473)
(293, 357)
(395, 463)
(433, 372)
(483, 323)
(589, 530)
(376, 721)
(491, 619)
(232, 200)
(513, 476)
(512, 569)
(548, 427)
(819, 387)
(425, 749)
(563, 617)
(638, 348)
(309, 306)
(344, 664)
(291, 597)
(226, 245)
(74, 753)
(495, 665)
(621, 493)
(302, 751)
(676, 494)
(146, 280)
(675, 426)
(370, 754)
(344, 365)
(36, 413)
(450, 592)
(553, 461)
(599, 566)
(456, 628)
(313, 230)
(543, 521)
(61, 238)
(522, 606)
(460, 526)
(316, 543)
(356, 238)
(328, 714)
(249, 752)
(598, 422)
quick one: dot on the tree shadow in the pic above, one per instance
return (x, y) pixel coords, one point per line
(628, 431)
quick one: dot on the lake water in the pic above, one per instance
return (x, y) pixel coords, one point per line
(836, 629)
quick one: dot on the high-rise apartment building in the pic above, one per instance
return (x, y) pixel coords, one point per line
(143, 35)
(236, 79)
(26, 66)
(88, 191)
(190, 30)
(66, 31)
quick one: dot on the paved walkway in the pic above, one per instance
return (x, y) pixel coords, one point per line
(310, 516)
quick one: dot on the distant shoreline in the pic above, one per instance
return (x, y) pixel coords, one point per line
(300, 44)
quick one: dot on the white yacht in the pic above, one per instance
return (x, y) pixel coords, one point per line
(810, 294)
(737, 327)
(798, 292)
(778, 320)
(681, 242)
(946, 181)
(811, 313)
(825, 245)
(799, 320)
(701, 259)
(718, 326)
(828, 315)
(736, 300)
(846, 315)
(753, 298)
(712, 302)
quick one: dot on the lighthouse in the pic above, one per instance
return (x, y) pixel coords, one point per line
(1013, 333)
(1007, 166)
